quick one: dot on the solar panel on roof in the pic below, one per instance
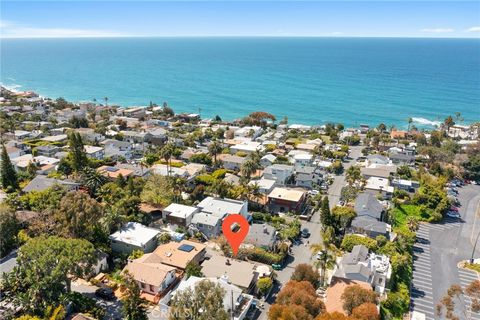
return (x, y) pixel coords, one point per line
(186, 247)
(111, 169)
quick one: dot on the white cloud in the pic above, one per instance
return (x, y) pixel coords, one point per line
(473, 29)
(13, 30)
(437, 30)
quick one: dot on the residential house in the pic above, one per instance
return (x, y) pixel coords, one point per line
(134, 236)
(380, 186)
(243, 274)
(132, 112)
(223, 207)
(88, 134)
(137, 169)
(164, 170)
(60, 138)
(265, 186)
(18, 135)
(370, 217)
(115, 149)
(180, 254)
(333, 300)
(235, 302)
(359, 265)
(267, 160)
(402, 158)
(404, 184)
(380, 171)
(136, 136)
(308, 177)
(287, 200)
(212, 212)
(261, 235)
(179, 214)
(377, 159)
(231, 162)
(41, 183)
(209, 225)
(114, 172)
(151, 276)
(158, 136)
(301, 160)
(95, 152)
(281, 173)
(47, 151)
(247, 147)
(251, 132)
(232, 179)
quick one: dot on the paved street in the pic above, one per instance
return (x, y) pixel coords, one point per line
(339, 181)
(439, 248)
(302, 253)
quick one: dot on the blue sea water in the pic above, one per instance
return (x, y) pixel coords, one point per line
(309, 80)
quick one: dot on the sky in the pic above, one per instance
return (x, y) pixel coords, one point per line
(30, 19)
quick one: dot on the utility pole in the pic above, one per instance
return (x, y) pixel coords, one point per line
(233, 306)
(474, 247)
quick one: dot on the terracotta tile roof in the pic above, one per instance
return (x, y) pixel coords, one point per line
(334, 293)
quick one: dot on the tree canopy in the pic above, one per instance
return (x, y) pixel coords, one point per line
(44, 271)
(203, 302)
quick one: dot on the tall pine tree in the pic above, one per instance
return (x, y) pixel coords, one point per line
(77, 151)
(8, 174)
(326, 217)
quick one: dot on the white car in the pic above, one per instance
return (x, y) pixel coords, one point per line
(453, 214)
(313, 192)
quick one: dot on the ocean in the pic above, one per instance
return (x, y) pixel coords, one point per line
(309, 80)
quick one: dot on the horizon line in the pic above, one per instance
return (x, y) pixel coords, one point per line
(236, 36)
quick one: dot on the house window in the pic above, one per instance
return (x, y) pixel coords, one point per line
(151, 288)
(142, 285)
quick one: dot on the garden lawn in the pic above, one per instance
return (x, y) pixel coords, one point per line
(401, 212)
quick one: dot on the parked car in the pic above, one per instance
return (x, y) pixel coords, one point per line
(453, 214)
(313, 192)
(105, 293)
(305, 233)
(453, 209)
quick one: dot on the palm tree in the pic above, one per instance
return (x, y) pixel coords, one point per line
(353, 175)
(178, 185)
(410, 120)
(220, 188)
(248, 168)
(166, 153)
(113, 220)
(412, 223)
(92, 180)
(254, 190)
(106, 101)
(326, 255)
(214, 149)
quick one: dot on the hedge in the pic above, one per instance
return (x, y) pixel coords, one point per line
(351, 240)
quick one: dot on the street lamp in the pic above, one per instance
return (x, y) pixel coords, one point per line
(474, 247)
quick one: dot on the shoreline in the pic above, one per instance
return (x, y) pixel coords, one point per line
(418, 121)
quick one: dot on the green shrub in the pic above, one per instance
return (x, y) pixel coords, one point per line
(397, 303)
(219, 174)
(205, 179)
(263, 256)
(351, 240)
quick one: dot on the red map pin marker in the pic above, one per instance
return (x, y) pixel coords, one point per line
(235, 238)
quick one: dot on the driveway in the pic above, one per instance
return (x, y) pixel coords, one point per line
(113, 308)
(439, 249)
